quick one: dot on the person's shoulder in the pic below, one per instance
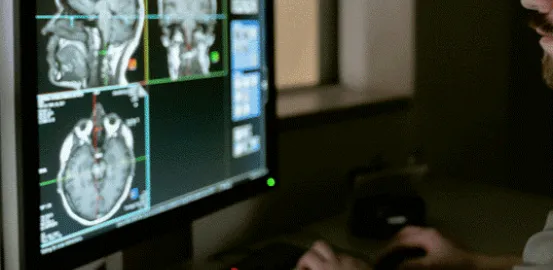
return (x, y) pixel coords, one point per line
(539, 248)
(534, 267)
(549, 223)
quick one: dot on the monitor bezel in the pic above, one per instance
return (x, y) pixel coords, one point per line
(118, 239)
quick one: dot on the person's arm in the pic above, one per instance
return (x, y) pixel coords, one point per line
(442, 253)
(495, 262)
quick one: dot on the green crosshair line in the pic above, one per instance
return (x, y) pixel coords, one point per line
(53, 181)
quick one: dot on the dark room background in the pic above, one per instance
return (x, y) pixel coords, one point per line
(482, 111)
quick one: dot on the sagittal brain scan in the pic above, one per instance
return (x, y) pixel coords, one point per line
(97, 167)
(90, 42)
(188, 33)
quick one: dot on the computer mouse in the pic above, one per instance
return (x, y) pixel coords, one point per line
(393, 259)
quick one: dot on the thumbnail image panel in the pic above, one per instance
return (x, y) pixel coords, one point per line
(187, 40)
(245, 44)
(245, 7)
(89, 44)
(246, 95)
(93, 158)
(244, 141)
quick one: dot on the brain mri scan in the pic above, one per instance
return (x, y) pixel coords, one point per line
(91, 41)
(97, 167)
(188, 32)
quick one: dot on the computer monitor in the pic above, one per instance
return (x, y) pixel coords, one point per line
(121, 116)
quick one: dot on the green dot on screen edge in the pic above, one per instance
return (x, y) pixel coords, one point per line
(215, 56)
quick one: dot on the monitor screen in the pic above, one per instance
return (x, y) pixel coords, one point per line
(145, 106)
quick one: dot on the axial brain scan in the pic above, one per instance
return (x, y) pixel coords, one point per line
(91, 41)
(188, 32)
(97, 167)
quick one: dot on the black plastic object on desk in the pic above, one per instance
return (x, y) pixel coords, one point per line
(383, 205)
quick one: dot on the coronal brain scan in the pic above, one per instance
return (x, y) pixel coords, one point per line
(188, 32)
(97, 167)
(91, 41)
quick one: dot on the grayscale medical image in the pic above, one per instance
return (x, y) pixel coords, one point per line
(97, 167)
(190, 32)
(93, 158)
(90, 43)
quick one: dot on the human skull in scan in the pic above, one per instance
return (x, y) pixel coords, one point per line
(96, 167)
(188, 32)
(91, 41)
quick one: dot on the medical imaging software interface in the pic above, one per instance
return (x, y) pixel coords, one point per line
(144, 106)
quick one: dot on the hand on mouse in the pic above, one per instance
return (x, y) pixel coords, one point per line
(441, 252)
(322, 257)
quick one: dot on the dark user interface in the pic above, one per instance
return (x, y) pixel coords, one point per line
(144, 106)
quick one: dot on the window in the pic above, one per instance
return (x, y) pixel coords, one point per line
(301, 27)
(375, 38)
(296, 40)
(326, 48)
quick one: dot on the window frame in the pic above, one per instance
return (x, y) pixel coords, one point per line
(330, 95)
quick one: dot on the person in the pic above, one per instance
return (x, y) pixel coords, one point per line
(441, 252)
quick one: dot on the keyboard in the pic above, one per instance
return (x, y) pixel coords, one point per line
(276, 256)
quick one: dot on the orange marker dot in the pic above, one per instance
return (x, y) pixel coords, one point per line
(133, 64)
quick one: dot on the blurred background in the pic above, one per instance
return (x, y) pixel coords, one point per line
(470, 69)
(454, 84)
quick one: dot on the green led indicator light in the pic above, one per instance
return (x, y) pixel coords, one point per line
(103, 52)
(215, 57)
(271, 182)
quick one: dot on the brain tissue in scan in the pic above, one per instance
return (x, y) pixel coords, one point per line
(91, 41)
(97, 167)
(188, 32)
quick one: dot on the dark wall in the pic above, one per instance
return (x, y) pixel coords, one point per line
(314, 164)
(530, 110)
(482, 112)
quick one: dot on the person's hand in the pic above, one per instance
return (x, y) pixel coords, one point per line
(322, 257)
(441, 252)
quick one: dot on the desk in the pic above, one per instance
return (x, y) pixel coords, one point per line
(481, 217)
